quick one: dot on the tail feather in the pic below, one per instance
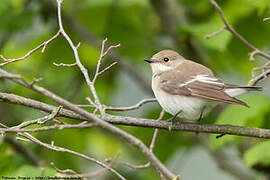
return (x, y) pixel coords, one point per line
(233, 90)
(248, 88)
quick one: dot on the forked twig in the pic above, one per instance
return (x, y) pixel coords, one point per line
(254, 52)
(60, 149)
(42, 45)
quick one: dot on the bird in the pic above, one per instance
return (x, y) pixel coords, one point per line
(189, 90)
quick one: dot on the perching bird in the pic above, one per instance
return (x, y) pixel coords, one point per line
(190, 90)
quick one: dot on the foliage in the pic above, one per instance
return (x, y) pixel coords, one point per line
(136, 25)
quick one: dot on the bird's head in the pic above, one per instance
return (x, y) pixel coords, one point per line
(164, 60)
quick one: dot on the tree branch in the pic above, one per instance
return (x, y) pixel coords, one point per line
(90, 38)
(133, 121)
(255, 51)
(43, 46)
(266, 19)
(236, 34)
(101, 123)
(60, 149)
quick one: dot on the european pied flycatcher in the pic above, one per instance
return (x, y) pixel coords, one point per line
(190, 90)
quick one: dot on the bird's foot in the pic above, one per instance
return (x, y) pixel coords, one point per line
(172, 120)
(199, 120)
(201, 116)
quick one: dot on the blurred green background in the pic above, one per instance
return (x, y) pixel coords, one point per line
(142, 28)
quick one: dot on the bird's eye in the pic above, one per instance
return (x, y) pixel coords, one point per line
(165, 59)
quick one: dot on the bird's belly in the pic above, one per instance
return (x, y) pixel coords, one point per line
(190, 107)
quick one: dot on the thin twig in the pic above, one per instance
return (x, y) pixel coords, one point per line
(75, 174)
(110, 48)
(65, 65)
(99, 60)
(259, 78)
(208, 36)
(60, 149)
(102, 54)
(39, 120)
(236, 34)
(10, 76)
(36, 80)
(92, 104)
(78, 61)
(266, 19)
(107, 68)
(161, 115)
(252, 55)
(65, 171)
(43, 46)
(128, 108)
(255, 51)
(152, 145)
(261, 68)
(48, 128)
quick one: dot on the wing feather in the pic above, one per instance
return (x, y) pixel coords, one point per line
(206, 87)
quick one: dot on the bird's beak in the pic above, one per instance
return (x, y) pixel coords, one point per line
(148, 60)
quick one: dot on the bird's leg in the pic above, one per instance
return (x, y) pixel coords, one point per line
(201, 115)
(171, 120)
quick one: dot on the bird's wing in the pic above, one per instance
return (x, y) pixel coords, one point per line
(203, 86)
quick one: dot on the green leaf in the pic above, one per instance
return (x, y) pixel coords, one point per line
(258, 154)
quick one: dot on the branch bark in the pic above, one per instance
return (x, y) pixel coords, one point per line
(133, 121)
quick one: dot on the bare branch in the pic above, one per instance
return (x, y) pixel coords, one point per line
(43, 46)
(208, 36)
(255, 51)
(39, 120)
(75, 174)
(35, 80)
(129, 108)
(265, 72)
(102, 54)
(92, 104)
(60, 149)
(65, 65)
(162, 113)
(99, 60)
(110, 48)
(107, 68)
(132, 166)
(152, 145)
(236, 34)
(266, 19)
(65, 171)
(252, 54)
(132, 121)
(52, 127)
(10, 76)
(78, 61)
(90, 38)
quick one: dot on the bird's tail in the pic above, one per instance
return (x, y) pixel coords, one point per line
(234, 90)
(248, 88)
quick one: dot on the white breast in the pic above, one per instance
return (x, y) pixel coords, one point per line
(191, 107)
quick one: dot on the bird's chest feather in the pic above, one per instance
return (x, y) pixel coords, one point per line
(191, 107)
